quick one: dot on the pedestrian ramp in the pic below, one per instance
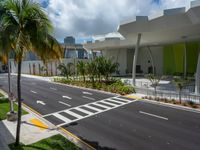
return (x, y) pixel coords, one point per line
(74, 114)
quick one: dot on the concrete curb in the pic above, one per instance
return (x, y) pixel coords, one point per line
(172, 106)
(4, 93)
(84, 88)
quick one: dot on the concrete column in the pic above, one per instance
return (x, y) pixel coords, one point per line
(151, 57)
(197, 79)
(135, 58)
(185, 61)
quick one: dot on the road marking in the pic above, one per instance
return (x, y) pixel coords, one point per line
(87, 93)
(109, 103)
(62, 118)
(41, 102)
(94, 108)
(106, 107)
(142, 112)
(33, 92)
(84, 111)
(73, 114)
(67, 97)
(39, 124)
(90, 98)
(53, 88)
(64, 103)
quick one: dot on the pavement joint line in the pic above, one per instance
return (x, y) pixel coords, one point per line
(153, 115)
(74, 136)
(83, 117)
(90, 98)
(78, 106)
(64, 103)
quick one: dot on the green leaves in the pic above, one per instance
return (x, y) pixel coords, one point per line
(26, 27)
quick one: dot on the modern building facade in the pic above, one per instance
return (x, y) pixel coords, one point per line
(165, 45)
(73, 50)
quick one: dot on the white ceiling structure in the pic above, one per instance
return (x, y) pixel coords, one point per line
(175, 25)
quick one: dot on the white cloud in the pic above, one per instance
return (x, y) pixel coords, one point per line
(90, 17)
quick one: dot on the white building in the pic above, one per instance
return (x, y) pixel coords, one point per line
(165, 45)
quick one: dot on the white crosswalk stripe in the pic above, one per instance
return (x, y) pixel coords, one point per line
(112, 103)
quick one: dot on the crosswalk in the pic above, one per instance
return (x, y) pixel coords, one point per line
(74, 114)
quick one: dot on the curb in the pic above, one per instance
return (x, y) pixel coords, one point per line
(4, 93)
(70, 136)
(172, 106)
(84, 88)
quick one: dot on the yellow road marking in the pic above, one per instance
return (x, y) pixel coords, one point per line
(31, 109)
(133, 96)
(71, 134)
(39, 124)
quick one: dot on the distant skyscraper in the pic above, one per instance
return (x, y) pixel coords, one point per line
(69, 40)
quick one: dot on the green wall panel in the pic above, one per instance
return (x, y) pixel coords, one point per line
(173, 58)
(192, 56)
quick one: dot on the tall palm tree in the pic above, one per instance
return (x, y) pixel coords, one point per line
(81, 67)
(26, 27)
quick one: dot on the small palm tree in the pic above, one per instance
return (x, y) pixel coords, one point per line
(180, 83)
(25, 27)
(91, 70)
(81, 67)
(63, 70)
(155, 80)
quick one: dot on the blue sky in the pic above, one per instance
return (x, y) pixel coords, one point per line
(86, 18)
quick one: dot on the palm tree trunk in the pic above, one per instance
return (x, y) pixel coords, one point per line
(19, 104)
(180, 96)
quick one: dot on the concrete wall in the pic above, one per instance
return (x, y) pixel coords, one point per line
(117, 55)
(145, 62)
(32, 67)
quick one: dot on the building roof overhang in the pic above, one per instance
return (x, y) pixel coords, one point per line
(175, 25)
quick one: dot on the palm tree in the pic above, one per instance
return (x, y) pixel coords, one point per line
(81, 67)
(91, 70)
(110, 68)
(155, 80)
(180, 83)
(27, 28)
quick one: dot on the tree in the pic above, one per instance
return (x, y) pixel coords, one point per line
(180, 83)
(26, 27)
(91, 70)
(155, 80)
(81, 67)
(110, 68)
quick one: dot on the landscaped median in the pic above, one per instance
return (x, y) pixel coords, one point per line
(114, 86)
(57, 142)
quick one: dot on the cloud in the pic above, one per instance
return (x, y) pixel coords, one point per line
(90, 17)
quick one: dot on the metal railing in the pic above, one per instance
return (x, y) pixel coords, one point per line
(185, 96)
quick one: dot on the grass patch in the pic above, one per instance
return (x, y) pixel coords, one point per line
(5, 108)
(57, 142)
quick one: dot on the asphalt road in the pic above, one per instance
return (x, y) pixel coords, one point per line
(108, 122)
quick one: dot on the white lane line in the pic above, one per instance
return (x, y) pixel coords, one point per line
(94, 108)
(84, 111)
(67, 97)
(64, 103)
(87, 93)
(33, 92)
(122, 99)
(73, 114)
(62, 118)
(115, 101)
(53, 88)
(142, 112)
(109, 103)
(40, 102)
(106, 107)
(90, 98)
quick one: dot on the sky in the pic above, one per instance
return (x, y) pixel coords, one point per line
(85, 18)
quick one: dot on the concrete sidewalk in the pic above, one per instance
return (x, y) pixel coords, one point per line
(32, 129)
